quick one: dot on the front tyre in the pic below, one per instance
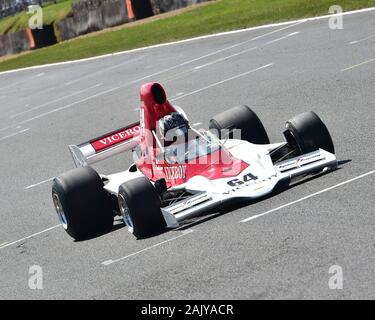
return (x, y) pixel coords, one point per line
(81, 203)
(309, 133)
(139, 205)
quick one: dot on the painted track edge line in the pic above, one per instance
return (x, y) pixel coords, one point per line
(190, 40)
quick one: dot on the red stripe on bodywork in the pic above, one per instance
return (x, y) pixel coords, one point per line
(220, 164)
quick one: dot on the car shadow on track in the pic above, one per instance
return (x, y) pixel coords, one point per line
(117, 224)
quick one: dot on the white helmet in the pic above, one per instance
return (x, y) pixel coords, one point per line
(173, 125)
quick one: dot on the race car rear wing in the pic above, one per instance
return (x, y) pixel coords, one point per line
(105, 146)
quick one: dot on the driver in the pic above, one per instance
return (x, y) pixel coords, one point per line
(173, 128)
(180, 144)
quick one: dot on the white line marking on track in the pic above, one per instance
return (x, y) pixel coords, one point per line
(5, 128)
(198, 68)
(244, 51)
(358, 65)
(243, 42)
(222, 81)
(38, 184)
(118, 87)
(55, 100)
(29, 237)
(64, 107)
(13, 84)
(223, 59)
(14, 134)
(361, 40)
(308, 197)
(282, 38)
(154, 74)
(107, 69)
(207, 56)
(286, 24)
(272, 25)
(184, 233)
(190, 230)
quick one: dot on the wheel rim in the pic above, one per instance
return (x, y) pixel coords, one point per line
(125, 213)
(60, 211)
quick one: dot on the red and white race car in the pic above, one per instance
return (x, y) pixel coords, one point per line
(179, 171)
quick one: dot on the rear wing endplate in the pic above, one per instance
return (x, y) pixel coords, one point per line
(105, 146)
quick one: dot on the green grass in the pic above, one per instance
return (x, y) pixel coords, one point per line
(51, 13)
(221, 15)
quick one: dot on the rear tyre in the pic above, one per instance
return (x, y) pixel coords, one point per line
(309, 133)
(244, 119)
(139, 205)
(81, 203)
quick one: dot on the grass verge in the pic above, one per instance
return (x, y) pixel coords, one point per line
(220, 15)
(51, 13)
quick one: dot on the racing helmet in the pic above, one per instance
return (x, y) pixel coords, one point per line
(173, 126)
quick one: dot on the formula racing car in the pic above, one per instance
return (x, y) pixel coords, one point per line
(181, 171)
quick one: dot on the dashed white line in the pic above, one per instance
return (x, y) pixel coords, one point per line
(21, 82)
(286, 25)
(244, 51)
(118, 87)
(358, 65)
(153, 75)
(224, 58)
(184, 233)
(361, 40)
(272, 25)
(55, 100)
(208, 55)
(102, 70)
(66, 106)
(29, 237)
(14, 134)
(282, 38)
(222, 81)
(179, 94)
(38, 184)
(308, 197)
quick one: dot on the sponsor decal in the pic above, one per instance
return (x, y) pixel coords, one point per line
(305, 159)
(189, 203)
(115, 138)
(175, 172)
(287, 165)
(300, 161)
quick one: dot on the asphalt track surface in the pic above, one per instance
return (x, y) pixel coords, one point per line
(286, 251)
